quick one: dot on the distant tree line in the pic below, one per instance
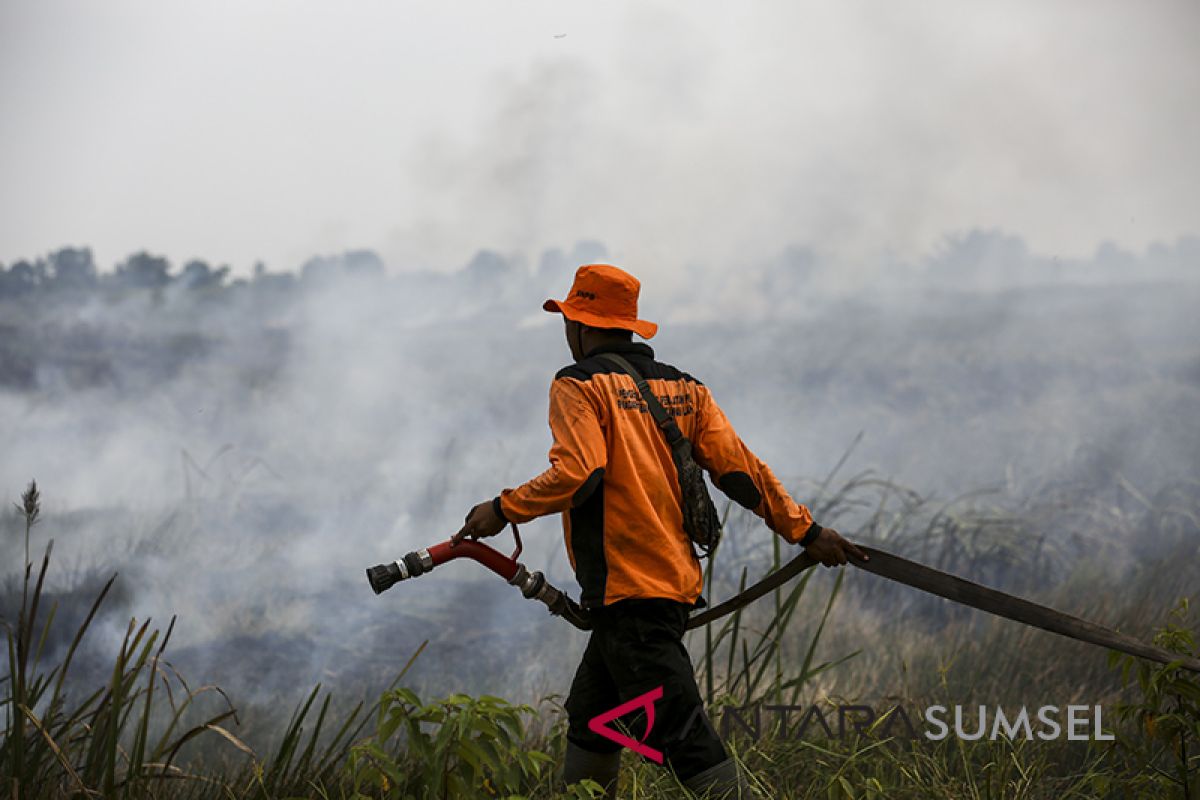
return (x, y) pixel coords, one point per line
(975, 259)
(73, 270)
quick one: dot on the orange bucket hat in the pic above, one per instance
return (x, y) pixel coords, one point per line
(603, 296)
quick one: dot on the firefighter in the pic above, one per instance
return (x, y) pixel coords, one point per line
(612, 478)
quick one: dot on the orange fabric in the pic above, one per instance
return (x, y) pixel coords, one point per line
(600, 422)
(604, 296)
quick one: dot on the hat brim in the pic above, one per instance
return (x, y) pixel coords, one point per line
(641, 327)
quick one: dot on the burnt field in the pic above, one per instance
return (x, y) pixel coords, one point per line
(239, 451)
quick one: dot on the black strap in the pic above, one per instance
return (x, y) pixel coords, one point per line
(664, 420)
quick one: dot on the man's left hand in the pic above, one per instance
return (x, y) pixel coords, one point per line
(481, 523)
(832, 550)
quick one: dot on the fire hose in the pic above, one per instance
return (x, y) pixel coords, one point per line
(534, 586)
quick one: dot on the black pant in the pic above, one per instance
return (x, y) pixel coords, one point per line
(635, 647)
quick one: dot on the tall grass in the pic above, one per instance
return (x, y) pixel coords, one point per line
(125, 738)
(146, 732)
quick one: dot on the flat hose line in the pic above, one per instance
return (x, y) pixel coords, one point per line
(960, 591)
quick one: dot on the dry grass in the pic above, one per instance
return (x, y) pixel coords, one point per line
(824, 639)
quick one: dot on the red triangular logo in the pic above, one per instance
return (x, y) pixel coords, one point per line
(599, 724)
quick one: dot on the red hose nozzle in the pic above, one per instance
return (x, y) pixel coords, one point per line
(533, 585)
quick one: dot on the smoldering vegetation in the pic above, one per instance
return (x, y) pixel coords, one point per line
(239, 450)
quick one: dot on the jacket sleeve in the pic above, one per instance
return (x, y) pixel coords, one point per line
(577, 458)
(741, 475)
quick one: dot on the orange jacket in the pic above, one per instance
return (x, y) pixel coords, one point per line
(612, 477)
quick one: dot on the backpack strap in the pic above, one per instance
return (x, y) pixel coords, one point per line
(661, 417)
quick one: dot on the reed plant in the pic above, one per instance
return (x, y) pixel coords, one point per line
(126, 738)
(145, 732)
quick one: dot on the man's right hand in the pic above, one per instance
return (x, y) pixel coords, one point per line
(832, 550)
(482, 522)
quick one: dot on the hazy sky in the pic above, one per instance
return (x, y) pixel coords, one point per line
(674, 133)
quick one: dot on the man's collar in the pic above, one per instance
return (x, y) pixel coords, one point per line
(630, 348)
